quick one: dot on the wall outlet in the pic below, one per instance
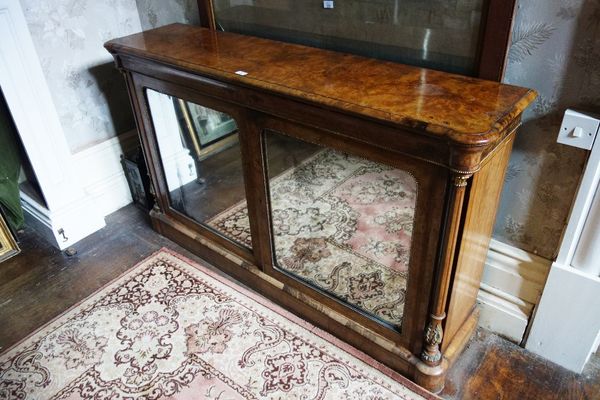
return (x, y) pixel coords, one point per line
(327, 3)
(578, 130)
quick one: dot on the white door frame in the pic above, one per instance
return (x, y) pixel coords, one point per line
(70, 214)
(566, 325)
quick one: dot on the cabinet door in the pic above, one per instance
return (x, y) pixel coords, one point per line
(194, 149)
(353, 226)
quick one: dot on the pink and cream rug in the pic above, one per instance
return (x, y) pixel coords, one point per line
(172, 329)
(343, 224)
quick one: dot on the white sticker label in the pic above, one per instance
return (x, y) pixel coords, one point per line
(242, 73)
(327, 3)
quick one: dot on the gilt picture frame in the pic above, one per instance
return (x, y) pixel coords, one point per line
(203, 130)
(8, 244)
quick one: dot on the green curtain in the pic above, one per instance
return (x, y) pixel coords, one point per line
(10, 167)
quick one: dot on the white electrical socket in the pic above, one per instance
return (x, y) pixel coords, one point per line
(578, 130)
(327, 3)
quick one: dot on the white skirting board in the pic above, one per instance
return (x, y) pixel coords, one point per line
(566, 329)
(99, 168)
(511, 287)
(67, 214)
(99, 172)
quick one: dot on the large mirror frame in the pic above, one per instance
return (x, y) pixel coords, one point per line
(497, 21)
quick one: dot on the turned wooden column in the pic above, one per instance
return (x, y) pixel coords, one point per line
(431, 355)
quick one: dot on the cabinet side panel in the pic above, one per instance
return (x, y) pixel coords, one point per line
(483, 202)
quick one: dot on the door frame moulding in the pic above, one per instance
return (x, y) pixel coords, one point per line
(566, 326)
(69, 214)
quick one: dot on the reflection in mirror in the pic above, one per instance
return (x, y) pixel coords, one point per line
(343, 224)
(439, 34)
(201, 159)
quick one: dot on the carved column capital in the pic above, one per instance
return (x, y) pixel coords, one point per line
(434, 334)
(460, 180)
(431, 353)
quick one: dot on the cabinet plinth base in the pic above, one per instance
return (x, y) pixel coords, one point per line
(431, 378)
(434, 378)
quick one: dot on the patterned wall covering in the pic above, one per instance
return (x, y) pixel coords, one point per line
(153, 13)
(88, 92)
(555, 50)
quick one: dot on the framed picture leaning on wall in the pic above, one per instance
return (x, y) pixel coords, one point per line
(204, 131)
(8, 243)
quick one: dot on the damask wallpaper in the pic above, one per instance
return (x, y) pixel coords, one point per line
(88, 92)
(153, 13)
(555, 50)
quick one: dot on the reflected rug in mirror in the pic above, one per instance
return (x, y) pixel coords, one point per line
(343, 224)
(173, 329)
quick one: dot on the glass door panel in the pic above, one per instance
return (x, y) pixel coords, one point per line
(202, 164)
(342, 224)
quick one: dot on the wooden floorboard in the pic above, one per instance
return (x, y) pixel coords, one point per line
(42, 282)
(494, 368)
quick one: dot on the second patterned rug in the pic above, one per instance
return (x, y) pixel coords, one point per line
(343, 224)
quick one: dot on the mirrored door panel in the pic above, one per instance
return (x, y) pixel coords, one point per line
(202, 164)
(342, 224)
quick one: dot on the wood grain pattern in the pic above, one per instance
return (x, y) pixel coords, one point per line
(465, 110)
(493, 368)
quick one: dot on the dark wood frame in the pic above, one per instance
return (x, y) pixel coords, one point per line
(495, 34)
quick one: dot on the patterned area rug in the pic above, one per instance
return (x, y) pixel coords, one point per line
(172, 329)
(344, 224)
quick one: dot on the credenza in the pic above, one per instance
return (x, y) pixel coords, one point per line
(359, 194)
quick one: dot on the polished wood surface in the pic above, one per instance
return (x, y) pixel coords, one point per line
(429, 375)
(206, 14)
(493, 368)
(496, 38)
(465, 110)
(354, 327)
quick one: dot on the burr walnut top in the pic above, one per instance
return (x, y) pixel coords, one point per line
(465, 110)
